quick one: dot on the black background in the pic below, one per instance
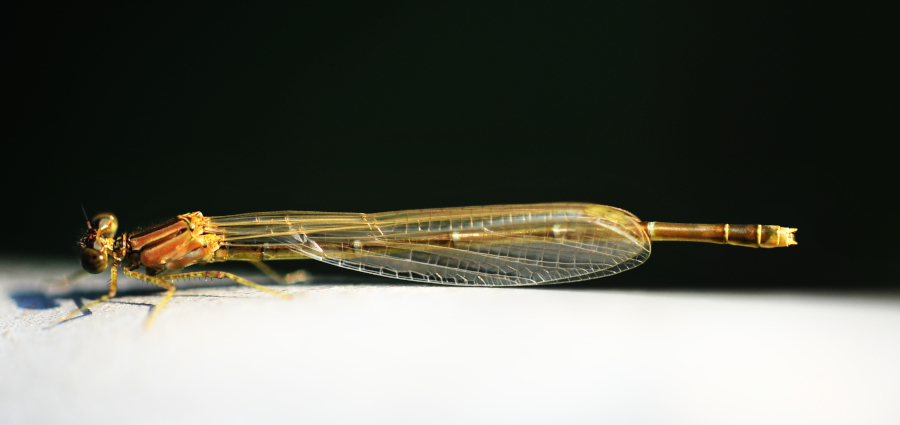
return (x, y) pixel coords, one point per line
(705, 113)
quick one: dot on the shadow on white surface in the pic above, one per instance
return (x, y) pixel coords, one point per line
(382, 352)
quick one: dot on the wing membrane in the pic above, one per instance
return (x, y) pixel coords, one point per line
(505, 245)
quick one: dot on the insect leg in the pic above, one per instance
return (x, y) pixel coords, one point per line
(168, 286)
(298, 276)
(70, 279)
(226, 275)
(112, 293)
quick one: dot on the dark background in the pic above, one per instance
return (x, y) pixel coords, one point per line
(705, 113)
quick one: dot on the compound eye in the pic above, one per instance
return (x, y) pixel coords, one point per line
(106, 224)
(93, 261)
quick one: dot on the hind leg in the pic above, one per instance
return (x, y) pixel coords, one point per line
(298, 276)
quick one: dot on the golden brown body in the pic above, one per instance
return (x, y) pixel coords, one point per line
(500, 245)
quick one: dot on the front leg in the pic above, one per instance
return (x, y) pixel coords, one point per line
(69, 280)
(112, 293)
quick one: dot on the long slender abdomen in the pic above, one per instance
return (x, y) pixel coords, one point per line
(750, 235)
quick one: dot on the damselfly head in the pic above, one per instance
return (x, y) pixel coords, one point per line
(96, 245)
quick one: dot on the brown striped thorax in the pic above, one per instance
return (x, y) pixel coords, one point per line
(173, 245)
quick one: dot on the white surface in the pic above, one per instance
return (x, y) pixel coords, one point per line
(425, 354)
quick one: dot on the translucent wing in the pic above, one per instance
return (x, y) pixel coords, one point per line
(504, 245)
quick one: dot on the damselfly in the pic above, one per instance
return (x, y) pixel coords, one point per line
(502, 245)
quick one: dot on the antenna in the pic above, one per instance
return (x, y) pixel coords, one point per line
(85, 215)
